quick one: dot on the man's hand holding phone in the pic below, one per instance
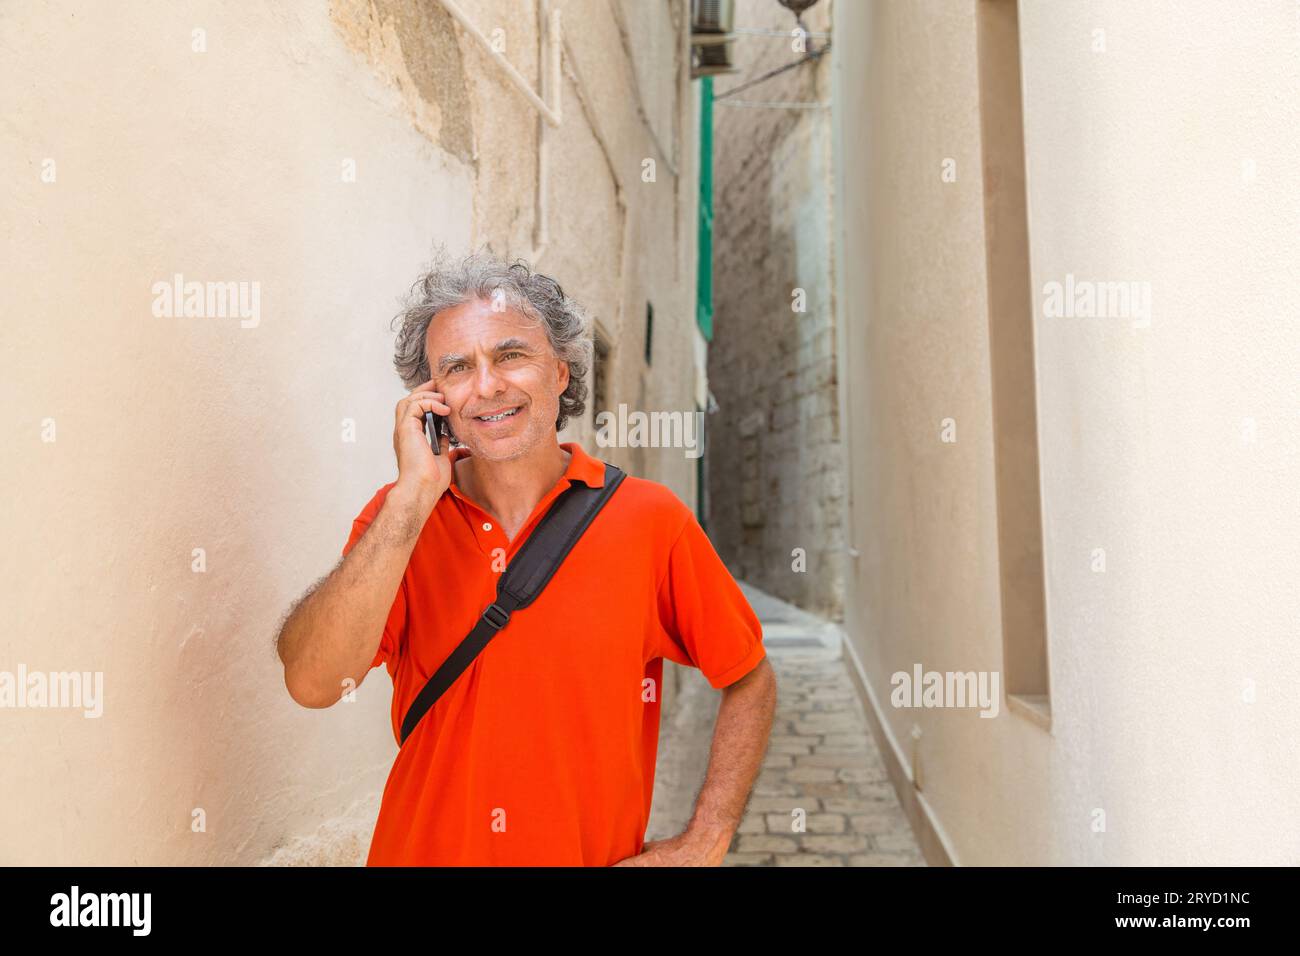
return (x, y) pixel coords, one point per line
(421, 473)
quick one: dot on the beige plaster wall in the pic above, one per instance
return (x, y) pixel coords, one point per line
(1172, 446)
(135, 439)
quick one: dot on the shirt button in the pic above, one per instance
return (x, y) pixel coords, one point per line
(487, 525)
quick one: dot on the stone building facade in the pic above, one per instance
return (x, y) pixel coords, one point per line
(776, 468)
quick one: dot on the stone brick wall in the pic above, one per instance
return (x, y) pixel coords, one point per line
(775, 477)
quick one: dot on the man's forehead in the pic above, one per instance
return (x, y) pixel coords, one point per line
(511, 342)
(479, 321)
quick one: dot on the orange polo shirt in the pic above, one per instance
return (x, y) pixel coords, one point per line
(542, 753)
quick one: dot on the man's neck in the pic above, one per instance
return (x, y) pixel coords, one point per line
(510, 490)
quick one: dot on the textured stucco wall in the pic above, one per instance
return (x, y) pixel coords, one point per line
(776, 474)
(1173, 447)
(1168, 158)
(176, 433)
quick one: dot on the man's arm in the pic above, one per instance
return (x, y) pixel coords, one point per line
(740, 738)
(334, 632)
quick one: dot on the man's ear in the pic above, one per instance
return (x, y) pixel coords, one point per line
(563, 375)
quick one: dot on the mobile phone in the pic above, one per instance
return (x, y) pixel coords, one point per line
(433, 423)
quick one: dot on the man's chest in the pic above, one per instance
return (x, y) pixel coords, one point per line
(596, 614)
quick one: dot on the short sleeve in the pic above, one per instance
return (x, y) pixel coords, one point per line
(394, 635)
(706, 621)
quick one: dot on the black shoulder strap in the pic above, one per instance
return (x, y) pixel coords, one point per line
(521, 582)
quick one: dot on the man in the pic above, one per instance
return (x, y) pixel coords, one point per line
(543, 751)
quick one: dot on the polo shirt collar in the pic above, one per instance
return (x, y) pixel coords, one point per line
(582, 467)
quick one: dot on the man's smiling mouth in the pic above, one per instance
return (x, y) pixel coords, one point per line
(499, 416)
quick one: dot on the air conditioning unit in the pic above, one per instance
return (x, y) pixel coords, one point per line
(712, 22)
(712, 16)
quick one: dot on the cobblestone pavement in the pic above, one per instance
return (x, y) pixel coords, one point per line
(823, 797)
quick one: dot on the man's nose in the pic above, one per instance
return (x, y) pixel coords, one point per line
(487, 381)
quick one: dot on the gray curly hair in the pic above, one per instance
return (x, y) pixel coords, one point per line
(481, 275)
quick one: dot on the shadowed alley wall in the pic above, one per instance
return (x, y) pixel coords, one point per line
(776, 470)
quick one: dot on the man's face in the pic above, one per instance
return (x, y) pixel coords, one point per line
(485, 362)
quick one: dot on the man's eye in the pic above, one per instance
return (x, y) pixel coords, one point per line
(509, 354)
(456, 367)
